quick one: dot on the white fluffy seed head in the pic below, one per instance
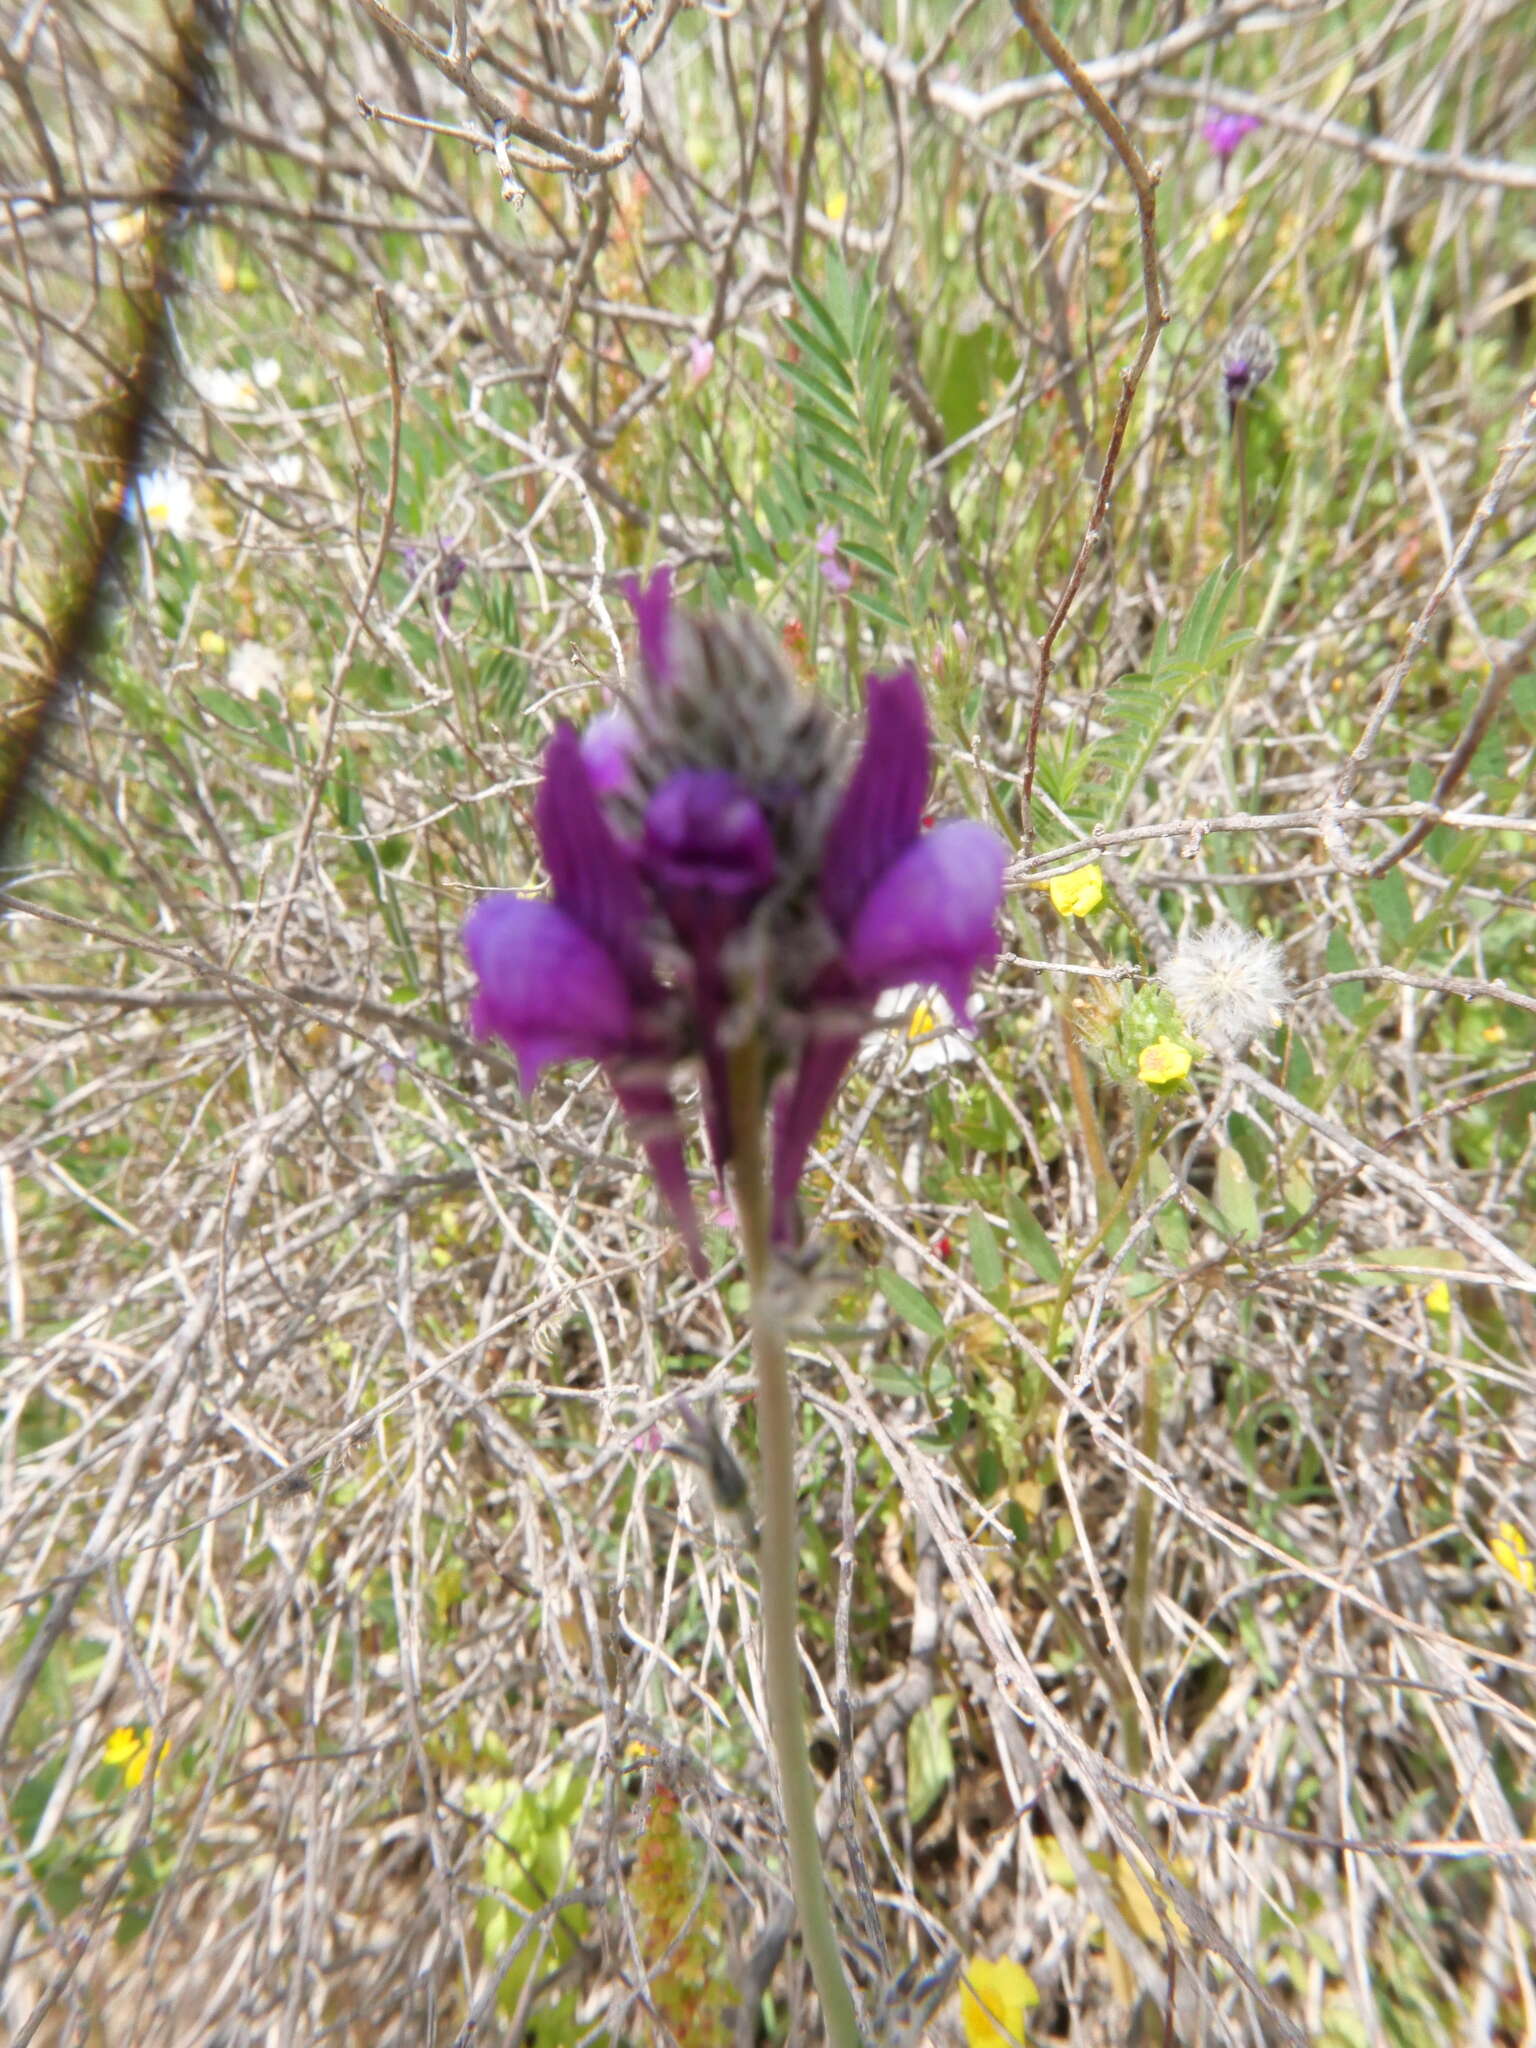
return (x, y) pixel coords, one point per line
(1229, 985)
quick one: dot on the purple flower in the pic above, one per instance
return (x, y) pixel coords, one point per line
(838, 575)
(720, 876)
(1226, 132)
(701, 359)
(1248, 359)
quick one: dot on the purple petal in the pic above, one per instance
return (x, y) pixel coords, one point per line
(547, 989)
(882, 807)
(652, 1116)
(592, 873)
(703, 831)
(933, 915)
(652, 603)
(797, 1119)
(608, 747)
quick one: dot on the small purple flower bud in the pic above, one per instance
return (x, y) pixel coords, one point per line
(1248, 359)
(450, 574)
(1226, 133)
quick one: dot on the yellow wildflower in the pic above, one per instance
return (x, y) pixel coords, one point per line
(129, 1750)
(1223, 225)
(1163, 1063)
(837, 205)
(1078, 892)
(212, 644)
(127, 230)
(1512, 1554)
(994, 1997)
(1438, 1299)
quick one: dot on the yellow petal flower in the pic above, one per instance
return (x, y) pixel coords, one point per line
(837, 205)
(1077, 893)
(1512, 1554)
(123, 1745)
(130, 1750)
(1163, 1063)
(1438, 1299)
(211, 644)
(994, 1997)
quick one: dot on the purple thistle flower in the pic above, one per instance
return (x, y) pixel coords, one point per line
(836, 574)
(1227, 132)
(718, 876)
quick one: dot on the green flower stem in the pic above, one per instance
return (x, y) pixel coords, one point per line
(778, 1554)
(1112, 1212)
(1240, 453)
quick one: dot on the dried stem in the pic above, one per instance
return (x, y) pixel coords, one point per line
(1145, 183)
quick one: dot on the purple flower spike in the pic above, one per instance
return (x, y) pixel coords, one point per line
(651, 603)
(722, 881)
(1227, 132)
(547, 989)
(933, 916)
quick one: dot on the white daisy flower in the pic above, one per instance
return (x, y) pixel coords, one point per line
(161, 502)
(1229, 985)
(253, 668)
(931, 1036)
(266, 373)
(226, 390)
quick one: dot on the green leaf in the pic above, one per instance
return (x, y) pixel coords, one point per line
(821, 395)
(930, 1756)
(1349, 996)
(1170, 1222)
(1035, 1247)
(1236, 1200)
(910, 1302)
(1389, 900)
(830, 359)
(986, 1258)
(880, 608)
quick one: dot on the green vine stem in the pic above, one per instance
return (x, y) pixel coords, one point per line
(778, 1556)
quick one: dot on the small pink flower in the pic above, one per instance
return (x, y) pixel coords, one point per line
(701, 359)
(1227, 132)
(837, 574)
